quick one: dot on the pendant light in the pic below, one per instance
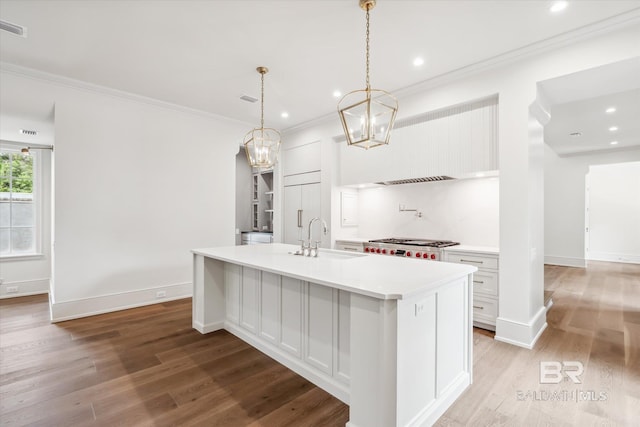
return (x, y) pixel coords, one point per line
(367, 115)
(262, 144)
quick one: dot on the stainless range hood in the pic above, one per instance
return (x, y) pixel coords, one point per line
(416, 180)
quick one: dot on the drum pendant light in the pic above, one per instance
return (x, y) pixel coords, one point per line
(262, 144)
(367, 115)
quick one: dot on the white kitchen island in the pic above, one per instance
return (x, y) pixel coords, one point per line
(389, 336)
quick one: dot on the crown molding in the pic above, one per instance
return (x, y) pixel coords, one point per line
(59, 80)
(604, 26)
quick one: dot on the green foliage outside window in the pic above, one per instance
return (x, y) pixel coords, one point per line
(16, 173)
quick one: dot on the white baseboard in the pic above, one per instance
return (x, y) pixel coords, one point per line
(205, 329)
(521, 334)
(613, 257)
(85, 307)
(565, 261)
(24, 288)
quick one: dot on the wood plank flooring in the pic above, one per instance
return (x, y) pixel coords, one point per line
(146, 366)
(595, 320)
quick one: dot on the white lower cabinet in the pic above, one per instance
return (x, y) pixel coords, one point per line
(303, 320)
(291, 315)
(318, 335)
(270, 289)
(249, 299)
(485, 284)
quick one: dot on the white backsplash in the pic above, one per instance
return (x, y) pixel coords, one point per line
(464, 211)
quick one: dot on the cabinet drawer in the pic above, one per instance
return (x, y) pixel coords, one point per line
(480, 261)
(485, 282)
(349, 246)
(485, 309)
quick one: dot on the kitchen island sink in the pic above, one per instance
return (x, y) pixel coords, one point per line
(389, 336)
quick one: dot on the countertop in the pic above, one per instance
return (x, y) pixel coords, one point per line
(374, 276)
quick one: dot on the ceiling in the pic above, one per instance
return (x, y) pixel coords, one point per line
(203, 54)
(578, 104)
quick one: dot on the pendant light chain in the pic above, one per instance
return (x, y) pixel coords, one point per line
(368, 85)
(262, 101)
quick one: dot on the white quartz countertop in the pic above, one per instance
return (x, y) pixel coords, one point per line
(375, 276)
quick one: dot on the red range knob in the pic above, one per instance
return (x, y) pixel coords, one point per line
(433, 256)
(418, 254)
(408, 253)
(366, 249)
(425, 255)
(378, 250)
(392, 252)
(384, 251)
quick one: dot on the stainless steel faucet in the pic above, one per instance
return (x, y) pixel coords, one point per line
(313, 250)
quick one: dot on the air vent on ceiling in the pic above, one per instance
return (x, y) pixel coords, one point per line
(416, 180)
(249, 98)
(13, 28)
(28, 132)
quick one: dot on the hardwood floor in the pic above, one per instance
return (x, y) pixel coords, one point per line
(146, 366)
(595, 320)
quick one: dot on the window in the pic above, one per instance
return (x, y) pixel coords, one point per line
(18, 203)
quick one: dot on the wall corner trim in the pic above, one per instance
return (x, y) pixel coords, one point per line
(522, 334)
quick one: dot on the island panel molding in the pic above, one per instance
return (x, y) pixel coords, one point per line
(398, 353)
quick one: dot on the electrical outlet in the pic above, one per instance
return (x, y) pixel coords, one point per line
(161, 294)
(12, 289)
(420, 307)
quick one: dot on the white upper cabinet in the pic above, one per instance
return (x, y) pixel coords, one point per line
(455, 141)
(301, 159)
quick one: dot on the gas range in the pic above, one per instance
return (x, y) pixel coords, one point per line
(413, 248)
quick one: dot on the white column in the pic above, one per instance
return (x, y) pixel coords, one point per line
(208, 306)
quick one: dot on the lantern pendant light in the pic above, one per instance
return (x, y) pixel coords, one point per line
(367, 115)
(262, 144)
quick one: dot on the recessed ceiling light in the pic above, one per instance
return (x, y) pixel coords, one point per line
(558, 6)
(610, 110)
(337, 94)
(418, 62)
(613, 128)
(614, 143)
(575, 134)
(284, 115)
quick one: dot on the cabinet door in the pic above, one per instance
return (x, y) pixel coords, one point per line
(306, 200)
(292, 204)
(301, 159)
(249, 299)
(310, 204)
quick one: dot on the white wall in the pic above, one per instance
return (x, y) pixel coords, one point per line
(465, 211)
(564, 202)
(136, 186)
(614, 212)
(522, 316)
